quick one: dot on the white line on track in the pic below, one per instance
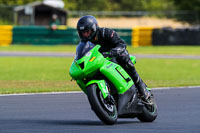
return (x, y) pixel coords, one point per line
(73, 92)
(46, 93)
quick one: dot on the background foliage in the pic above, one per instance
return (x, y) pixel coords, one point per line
(119, 5)
(191, 6)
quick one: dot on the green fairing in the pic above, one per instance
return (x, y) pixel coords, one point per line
(94, 62)
(90, 68)
(148, 89)
(113, 72)
(82, 85)
(102, 86)
(133, 59)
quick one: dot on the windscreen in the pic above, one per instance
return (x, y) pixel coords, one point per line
(83, 48)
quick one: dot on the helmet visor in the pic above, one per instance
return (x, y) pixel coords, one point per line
(87, 33)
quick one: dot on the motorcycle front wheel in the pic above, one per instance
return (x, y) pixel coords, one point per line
(105, 111)
(150, 111)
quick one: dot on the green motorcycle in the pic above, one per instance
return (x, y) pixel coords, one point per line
(110, 90)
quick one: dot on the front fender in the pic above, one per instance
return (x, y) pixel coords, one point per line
(102, 86)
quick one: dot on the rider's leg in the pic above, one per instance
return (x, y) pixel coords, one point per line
(126, 63)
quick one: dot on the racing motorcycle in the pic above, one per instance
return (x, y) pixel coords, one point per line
(110, 90)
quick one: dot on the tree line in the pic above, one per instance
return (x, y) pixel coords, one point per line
(119, 5)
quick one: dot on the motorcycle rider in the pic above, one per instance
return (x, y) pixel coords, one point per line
(109, 40)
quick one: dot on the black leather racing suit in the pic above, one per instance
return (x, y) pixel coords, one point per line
(110, 41)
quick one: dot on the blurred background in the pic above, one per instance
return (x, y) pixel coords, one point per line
(38, 40)
(138, 22)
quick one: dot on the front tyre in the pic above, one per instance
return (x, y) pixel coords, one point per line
(105, 111)
(150, 111)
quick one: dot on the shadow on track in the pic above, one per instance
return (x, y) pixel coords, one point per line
(64, 122)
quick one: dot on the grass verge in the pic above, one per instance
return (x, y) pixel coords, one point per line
(50, 74)
(172, 50)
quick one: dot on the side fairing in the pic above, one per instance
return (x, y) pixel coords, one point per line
(133, 59)
(117, 75)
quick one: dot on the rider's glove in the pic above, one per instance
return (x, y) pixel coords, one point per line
(117, 51)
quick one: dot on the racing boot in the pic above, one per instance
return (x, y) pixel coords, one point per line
(142, 87)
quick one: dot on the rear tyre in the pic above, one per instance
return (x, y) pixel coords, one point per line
(150, 111)
(106, 112)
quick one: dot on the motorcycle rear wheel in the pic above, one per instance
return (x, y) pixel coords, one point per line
(106, 112)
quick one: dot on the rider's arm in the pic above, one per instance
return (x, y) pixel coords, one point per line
(118, 45)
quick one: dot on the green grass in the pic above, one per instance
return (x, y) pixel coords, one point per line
(172, 50)
(166, 50)
(35, 74)
(40, 48)
(29, 74)
(169, 72)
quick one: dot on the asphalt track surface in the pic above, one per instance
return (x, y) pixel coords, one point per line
(63, 54)
(179, 112)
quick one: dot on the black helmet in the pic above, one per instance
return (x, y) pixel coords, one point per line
(87, 23)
